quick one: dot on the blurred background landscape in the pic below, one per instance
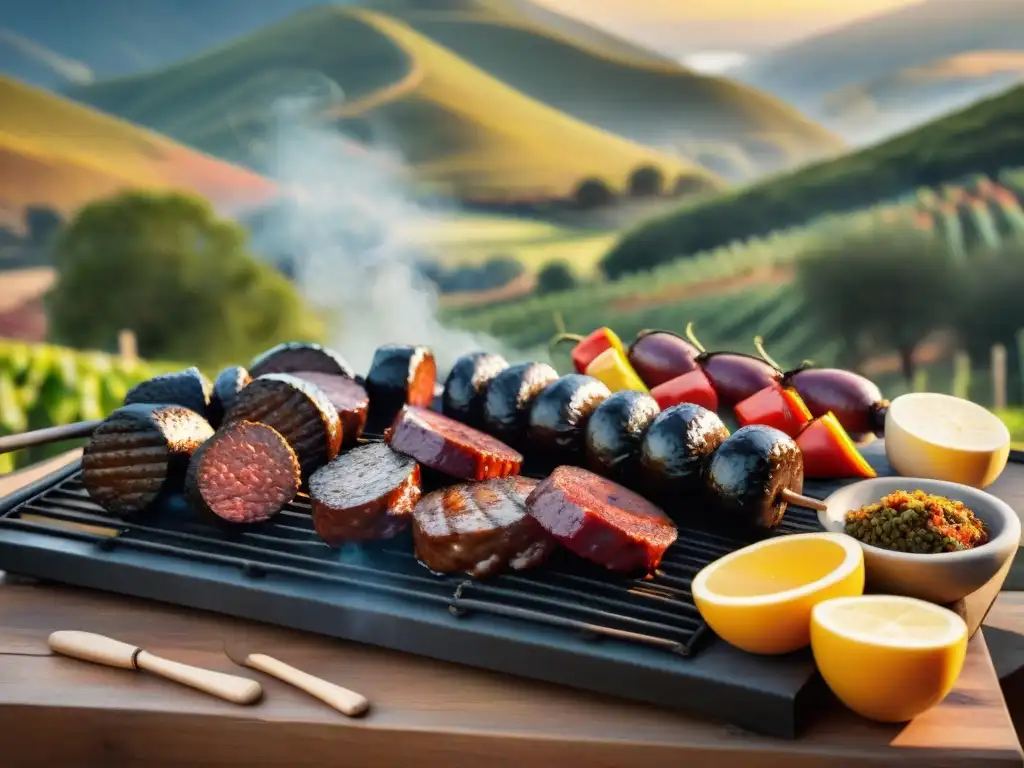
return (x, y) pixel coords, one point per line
(842, 177)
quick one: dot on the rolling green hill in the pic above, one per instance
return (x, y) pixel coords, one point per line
(656, 102)
(379, 55)
(461, 130)
(984, 138)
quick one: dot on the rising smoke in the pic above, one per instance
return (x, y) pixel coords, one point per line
(350, 230)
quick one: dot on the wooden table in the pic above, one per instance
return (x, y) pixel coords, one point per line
(61, 712)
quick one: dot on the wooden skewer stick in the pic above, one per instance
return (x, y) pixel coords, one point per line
(342, 699)
(113, 653)
(47, 435)
(799, 500)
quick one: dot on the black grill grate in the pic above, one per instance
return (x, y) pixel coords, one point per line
(657, 612)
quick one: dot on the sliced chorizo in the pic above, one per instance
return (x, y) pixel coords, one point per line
(399, 376)
(348, 398)
(450, 447)
(364, 494)
(245, 473)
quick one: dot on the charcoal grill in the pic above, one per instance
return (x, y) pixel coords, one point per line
(567, 623)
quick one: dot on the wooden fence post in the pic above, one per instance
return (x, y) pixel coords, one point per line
(127, 346)
(962, 375)
(998, 376)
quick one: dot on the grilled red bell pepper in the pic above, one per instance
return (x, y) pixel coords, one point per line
(774, 406)
(693, 387)
(829, 452)
(589, 347)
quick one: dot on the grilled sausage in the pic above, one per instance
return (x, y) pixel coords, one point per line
(245, 473)
(364, 494)
(399, 376)
(140, 452)
(348, 398)
(300, 356)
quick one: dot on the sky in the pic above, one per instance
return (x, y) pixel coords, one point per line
(719, 28)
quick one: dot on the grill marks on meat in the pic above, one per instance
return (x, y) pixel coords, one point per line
(300, 356)
(399, 375)
(300, 411)
(139, 452)
(364, 494)
(188, 388)
(347, 397)
(478, 528)
(245, 473)
(601, 520)
(450, 447)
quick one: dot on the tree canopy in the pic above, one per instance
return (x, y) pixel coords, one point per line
(168, 268)
(879, 289)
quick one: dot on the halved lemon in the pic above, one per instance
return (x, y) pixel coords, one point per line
(888, 658)
(759, 598)
(928, 434)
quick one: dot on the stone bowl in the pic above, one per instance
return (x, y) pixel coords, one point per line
(941, 578)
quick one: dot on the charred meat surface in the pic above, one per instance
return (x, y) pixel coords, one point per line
(559, 415)
(451, 447)
(478, 528)
(465, 389)
(364, 494)
(602, 521)
(348, 398)
(510, 397)
(300, 356)
(297, 409)
(614, 434)
(747, 473)
(188, 388)
(675, 448)
(226, 387)
(138, 452)
(399, 376)
(245, 473)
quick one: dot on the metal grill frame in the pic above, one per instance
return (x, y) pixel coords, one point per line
(379, 595)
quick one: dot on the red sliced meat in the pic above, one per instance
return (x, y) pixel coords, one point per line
(478, 528)
(245, 473)
(348, 398)
(602, 521)
(451, 447)
(364, 494)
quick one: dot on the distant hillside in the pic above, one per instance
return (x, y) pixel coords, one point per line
(460, 129)
(60, 154)
(984, 139)
(887, 104)
(655, 102)
(807, 72)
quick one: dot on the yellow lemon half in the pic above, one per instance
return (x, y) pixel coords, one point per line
(759, 598)
(928, 434)
(888, 658)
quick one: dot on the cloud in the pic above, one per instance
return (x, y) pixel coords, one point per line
(69, 69)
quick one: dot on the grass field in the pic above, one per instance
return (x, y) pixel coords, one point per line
(984, 138)
(62, 154)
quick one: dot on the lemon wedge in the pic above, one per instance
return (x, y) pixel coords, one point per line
(888, 658)
(928, 434)
(759, 598)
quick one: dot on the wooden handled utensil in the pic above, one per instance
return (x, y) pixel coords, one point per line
(104, 650)
(342, 699)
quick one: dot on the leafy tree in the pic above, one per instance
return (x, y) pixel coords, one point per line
(556, 276)
(168, 268)
(879, 289)
(646, 181)
(42, 223)
(989, 310)
(592, 193)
